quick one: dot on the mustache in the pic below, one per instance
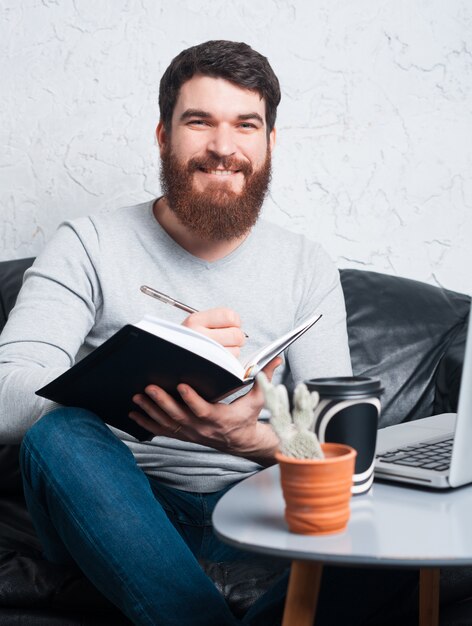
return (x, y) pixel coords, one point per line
(213, 162)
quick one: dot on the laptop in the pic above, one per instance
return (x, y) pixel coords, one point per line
(434, 452)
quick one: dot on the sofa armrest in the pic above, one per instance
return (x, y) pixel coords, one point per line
(11, 278)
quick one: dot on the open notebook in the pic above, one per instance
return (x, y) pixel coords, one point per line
(163, 353)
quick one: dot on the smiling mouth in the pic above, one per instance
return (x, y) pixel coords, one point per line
(219, 172)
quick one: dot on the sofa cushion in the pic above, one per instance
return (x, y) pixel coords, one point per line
(399, 330)
(32, 617)
(29, 583)
(10, 479)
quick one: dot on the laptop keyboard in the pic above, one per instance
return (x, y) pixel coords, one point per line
(433, 456)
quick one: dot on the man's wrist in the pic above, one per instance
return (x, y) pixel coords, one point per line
(264, 445)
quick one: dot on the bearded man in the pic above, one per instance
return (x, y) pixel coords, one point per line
(136, 516)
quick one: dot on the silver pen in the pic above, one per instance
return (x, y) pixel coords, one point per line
(149, 291)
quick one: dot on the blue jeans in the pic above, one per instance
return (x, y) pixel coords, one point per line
(138, 541)
(135, 539)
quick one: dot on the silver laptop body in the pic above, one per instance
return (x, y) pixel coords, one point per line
(416, 452)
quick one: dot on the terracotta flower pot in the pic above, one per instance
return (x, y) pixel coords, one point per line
(317, 491)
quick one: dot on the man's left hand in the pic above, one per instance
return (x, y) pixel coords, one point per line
(232, 428)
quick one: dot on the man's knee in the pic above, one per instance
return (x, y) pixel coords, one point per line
(52, 438)
(63, 443)
(59, 427)
(70, 439)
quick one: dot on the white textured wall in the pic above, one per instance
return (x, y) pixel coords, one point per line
(374, 128)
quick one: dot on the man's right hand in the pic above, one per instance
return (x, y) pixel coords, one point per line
(221, 324)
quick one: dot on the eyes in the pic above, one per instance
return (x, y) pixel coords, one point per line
(242, 125)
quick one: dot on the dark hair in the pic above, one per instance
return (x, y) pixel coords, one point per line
(231, 60)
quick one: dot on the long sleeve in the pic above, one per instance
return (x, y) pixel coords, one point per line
(323, 350)
(56, 308)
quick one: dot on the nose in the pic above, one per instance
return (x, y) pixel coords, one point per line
(221, 142)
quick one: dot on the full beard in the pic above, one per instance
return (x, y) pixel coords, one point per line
(217, 213)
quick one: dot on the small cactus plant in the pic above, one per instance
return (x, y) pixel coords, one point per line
(297, 438)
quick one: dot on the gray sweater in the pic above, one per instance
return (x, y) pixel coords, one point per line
(85, 286)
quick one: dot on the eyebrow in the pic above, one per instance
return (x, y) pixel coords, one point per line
(251, 116)
(194, 113)
(206, 115)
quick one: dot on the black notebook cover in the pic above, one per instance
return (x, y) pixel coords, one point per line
(105, 380)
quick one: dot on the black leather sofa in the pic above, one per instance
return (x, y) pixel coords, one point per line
(408, 333)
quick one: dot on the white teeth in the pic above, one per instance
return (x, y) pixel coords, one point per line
(221, 172)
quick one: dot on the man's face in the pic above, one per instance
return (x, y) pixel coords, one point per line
(216, 164)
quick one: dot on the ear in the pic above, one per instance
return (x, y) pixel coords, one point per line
(161, 135)
(271, 142)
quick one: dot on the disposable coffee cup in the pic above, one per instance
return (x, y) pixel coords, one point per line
(348, 412)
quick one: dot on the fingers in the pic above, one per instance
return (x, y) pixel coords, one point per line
(220, 317)
(234, 351)
(199, 407)
(227, 427)
(271, 366)
(148, 423)
(160, 413)
(221, 324)
(268, 370)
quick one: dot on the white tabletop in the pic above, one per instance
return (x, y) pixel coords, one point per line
(392, 525)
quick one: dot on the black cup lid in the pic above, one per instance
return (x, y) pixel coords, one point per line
(345, 385)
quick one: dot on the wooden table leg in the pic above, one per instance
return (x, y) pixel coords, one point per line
(429, 596)
(302, 593)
